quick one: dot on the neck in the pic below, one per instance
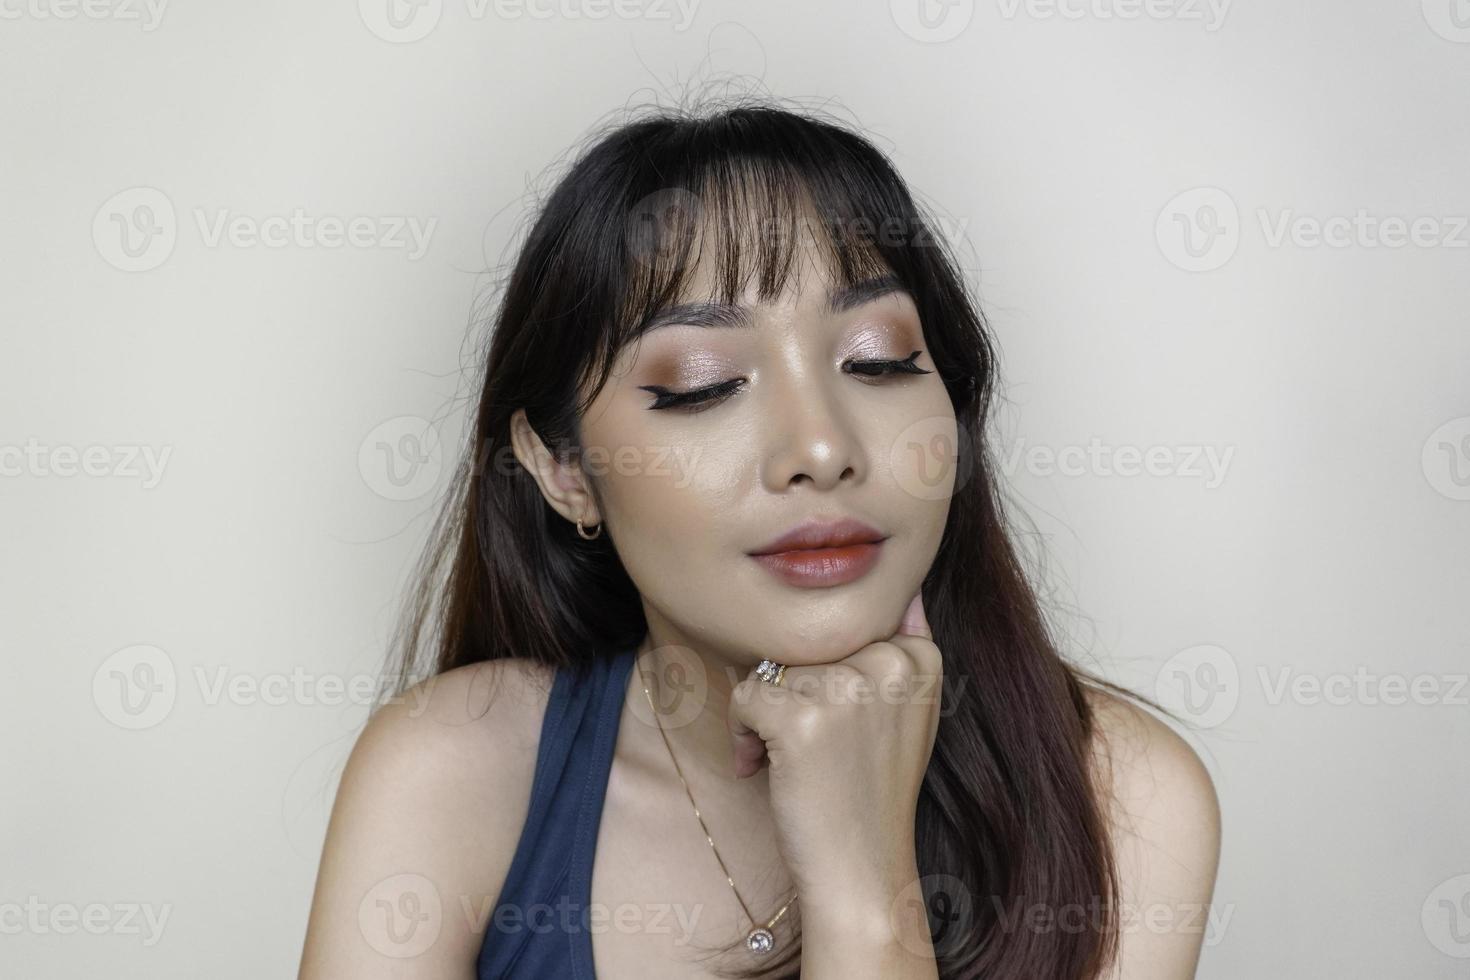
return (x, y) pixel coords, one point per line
(691, 681)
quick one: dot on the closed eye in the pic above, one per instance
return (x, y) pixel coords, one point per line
(693, 401)
(878, 368)
(701, 398)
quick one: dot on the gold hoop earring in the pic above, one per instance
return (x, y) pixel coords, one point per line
(584, 534)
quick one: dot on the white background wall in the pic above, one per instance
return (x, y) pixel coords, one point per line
(1068, 147)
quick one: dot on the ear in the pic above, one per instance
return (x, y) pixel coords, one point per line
(564, 485)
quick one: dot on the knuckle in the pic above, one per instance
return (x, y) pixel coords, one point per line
(806, 725)
(890, 658)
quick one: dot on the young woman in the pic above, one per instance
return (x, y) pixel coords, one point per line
(734, 669)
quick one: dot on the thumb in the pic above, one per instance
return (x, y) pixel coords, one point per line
(915, 623)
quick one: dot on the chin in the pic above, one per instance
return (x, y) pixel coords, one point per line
(804, 646)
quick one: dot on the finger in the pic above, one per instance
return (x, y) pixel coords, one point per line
(916, 637)
(914, 622)
(746, 744)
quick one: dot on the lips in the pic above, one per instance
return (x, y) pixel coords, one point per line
(818, 534)
(821, 554)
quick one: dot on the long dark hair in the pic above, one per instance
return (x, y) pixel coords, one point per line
(1011, 816)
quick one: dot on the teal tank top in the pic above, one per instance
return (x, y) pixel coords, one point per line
(540, 927)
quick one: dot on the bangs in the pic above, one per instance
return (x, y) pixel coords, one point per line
(746, 223)
(696, 211)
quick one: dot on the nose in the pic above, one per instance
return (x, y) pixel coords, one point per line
(812, 439)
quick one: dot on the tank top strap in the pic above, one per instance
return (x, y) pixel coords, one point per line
(541, 923)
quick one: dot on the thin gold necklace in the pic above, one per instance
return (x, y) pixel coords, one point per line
(761, 939)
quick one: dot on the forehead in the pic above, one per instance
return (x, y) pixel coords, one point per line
(752, 253)
(774, 263)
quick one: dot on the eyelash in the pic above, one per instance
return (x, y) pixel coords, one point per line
(701, 398)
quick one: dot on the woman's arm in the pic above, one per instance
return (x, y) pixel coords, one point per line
(1166, 836)
(426, 821)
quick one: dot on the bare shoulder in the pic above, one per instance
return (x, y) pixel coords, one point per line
(448, 718)
(1147, 763)
(1164, 821)
(428, 814)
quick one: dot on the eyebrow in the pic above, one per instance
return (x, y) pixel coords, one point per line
(707, 314)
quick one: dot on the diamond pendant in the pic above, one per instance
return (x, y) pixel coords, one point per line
(760, 941)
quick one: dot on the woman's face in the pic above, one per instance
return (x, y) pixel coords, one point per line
(687, 494)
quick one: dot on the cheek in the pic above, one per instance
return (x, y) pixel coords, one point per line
(681, 525)
(668, 490)
(919, 457)
(671, 547)
(692, 481)
(672, 510)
